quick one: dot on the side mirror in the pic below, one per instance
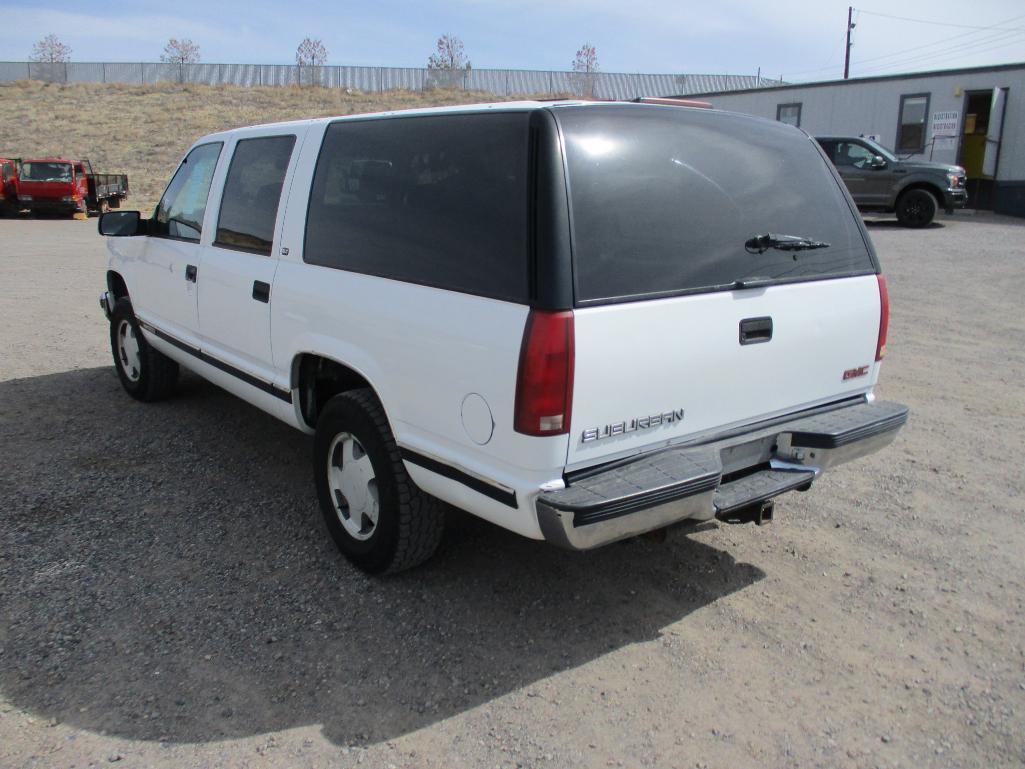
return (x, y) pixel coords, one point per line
(121, 224)
(878, 162)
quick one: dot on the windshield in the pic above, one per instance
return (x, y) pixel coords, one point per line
(881, 150)
(46, 172)
(664, 199)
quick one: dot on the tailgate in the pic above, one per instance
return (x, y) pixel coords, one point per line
(721, 275)
(655, 371)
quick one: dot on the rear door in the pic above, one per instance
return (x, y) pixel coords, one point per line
(682, 326)
(238, 267)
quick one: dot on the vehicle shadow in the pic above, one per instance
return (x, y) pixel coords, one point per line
(165, 575)
(895, 225)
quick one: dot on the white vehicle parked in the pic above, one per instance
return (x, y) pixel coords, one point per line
(578, 321)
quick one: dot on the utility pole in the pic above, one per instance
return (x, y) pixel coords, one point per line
(847, 51)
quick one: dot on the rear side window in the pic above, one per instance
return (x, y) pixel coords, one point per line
(663, 200)
(252, 191)
(180, 211)
(438, 200)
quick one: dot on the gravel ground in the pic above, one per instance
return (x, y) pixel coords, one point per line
(168, 596)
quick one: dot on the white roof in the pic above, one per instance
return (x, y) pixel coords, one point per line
(501, 106)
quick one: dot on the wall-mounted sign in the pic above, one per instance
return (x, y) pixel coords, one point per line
(945, 123)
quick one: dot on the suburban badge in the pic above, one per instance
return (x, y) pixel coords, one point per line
(631, 425)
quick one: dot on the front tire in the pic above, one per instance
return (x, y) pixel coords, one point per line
(374, 512)
(916, 208)
(146, 375)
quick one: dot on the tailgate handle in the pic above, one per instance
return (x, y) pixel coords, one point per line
(755, 330)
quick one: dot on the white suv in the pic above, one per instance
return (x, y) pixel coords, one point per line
(578, 321)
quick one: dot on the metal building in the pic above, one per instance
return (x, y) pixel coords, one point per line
(971, 117)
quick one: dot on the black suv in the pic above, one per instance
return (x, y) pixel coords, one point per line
(880, 181)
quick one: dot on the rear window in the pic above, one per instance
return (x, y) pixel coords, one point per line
(663, 200)
(439, 201)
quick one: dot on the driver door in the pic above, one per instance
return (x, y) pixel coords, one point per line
(869, 186)
(164, 289)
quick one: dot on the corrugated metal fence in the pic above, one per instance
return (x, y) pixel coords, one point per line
(502, 82)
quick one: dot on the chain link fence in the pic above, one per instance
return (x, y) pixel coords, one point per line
(501, 82)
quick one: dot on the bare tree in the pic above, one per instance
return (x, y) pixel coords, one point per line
(449, 54)
(585, 65)
(312, 55)
(51, 50)
(586, 59)
(182, 51)
(448, 63)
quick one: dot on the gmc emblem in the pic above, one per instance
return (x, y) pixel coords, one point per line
(854, 373)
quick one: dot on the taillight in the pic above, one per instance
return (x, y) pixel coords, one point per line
(544, 382)
(884, 317)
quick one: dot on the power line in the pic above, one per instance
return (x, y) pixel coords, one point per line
(978, 44)
(935, 23)
(1001, 42)
(942, 41)
(898, 55)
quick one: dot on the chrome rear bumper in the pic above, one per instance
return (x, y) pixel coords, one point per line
(699, 482)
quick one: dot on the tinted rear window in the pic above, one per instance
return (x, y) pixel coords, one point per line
(663, 200)
(440, 201)
(252, 191)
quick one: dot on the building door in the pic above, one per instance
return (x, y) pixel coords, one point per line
(980, 143)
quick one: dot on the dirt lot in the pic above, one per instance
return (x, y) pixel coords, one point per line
(168, 596)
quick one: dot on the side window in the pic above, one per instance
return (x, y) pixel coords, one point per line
(789, 114)
(78, 169)
(914, 110)
(252, 191)
(853, 154)
(829, 147)
(438, 200)
(5, 172)
(180, 211)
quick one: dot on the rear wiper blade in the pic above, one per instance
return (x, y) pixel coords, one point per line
(759, 244)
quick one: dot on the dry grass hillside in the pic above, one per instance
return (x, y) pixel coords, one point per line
(144, 130)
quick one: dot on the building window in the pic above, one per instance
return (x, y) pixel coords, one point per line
(914, 110)
(789, 114)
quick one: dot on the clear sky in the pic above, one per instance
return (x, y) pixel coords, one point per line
(799, 40)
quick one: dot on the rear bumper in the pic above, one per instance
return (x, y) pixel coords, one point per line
(712, 479)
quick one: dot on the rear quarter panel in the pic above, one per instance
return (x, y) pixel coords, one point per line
(423, 350)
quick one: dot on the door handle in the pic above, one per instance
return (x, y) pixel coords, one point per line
(755, 330)
(261, 291)
(190, 273)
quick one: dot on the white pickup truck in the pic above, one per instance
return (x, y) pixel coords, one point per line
(579, 321)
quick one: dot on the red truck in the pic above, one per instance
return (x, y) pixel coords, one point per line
(9, 186)
(68, 186)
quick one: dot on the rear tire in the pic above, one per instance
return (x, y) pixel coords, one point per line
(374, 512)
(916, 208)
(146, 375)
